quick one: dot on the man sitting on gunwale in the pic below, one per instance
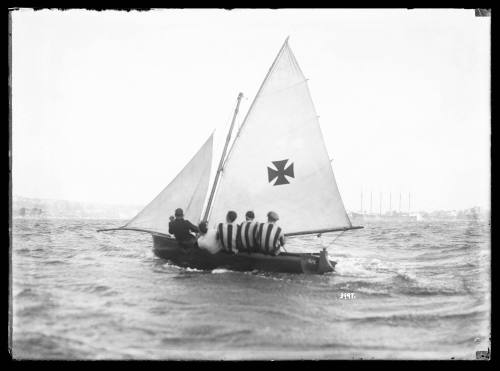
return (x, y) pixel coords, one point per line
(181, 229)
(227, 232)
(270, 237)
(247, 233)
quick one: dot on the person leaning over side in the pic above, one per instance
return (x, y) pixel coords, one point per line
(181, 229)
(247, 233)
(270, 236)
(226, 233)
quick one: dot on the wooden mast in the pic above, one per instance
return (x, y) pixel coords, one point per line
(223, 157)
(221, 162)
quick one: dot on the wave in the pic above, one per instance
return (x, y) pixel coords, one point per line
(187, 269)
(203, 335)
(221, 270)
(55, 262)
(23, 250)
(430, 291)
(354, 267)
(408, 284)
(37, 345)
(367, 288)
(405, 276)
(27, 293)
(430, 278)
(99, 289)
(390, 281)
(371, 291)
(36, 310)
(418, 319)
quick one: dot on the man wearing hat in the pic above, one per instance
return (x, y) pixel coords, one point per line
(270, 237)
(181, 229)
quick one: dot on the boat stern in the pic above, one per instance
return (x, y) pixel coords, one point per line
(324, 264)
(317, 264)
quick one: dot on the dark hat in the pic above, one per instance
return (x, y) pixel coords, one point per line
(272, 215)
(179, 212)
(231, 216)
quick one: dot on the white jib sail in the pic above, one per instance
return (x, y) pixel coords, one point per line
(279, 160)
(187, 191)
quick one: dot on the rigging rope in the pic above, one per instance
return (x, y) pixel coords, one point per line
(331, 243)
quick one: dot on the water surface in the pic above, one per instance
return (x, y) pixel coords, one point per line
(421, 291)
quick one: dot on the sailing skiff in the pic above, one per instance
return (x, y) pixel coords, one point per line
(277, 161)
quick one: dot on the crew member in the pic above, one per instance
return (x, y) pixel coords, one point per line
(270, 236)
(181, 229)
(226, 233)
(247, 233)
(207, 239)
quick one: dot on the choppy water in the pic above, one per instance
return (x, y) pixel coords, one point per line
(421, 291)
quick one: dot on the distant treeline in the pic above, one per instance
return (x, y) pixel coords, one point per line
(24, 211)
(32, 207)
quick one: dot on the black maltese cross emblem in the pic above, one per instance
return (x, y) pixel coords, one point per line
(280, 172)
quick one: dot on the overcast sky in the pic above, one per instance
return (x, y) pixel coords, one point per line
(109, 106)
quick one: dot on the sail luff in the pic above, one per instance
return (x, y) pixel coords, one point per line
(214, 189)
(255, 98)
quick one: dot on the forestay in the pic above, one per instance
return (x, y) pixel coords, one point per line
(188, 191)
(279, 161)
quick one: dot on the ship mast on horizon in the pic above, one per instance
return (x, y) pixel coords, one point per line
(383, 210)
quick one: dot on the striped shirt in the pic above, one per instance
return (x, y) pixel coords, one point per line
(226, 233)
(246, 236)
(270, 238)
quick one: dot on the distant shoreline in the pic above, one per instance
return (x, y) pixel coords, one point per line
(44, 217)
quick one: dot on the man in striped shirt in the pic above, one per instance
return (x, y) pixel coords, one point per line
(270, 237)
(247, 233)
(226, 233)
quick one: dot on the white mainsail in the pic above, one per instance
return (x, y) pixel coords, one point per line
(187, 191)
(279, 160)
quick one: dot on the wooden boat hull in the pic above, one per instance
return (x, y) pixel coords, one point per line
(169, 248)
